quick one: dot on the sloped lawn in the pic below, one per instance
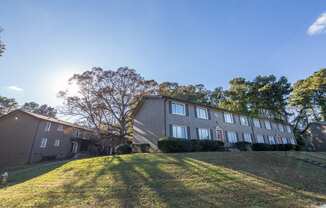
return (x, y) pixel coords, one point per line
(215, 179)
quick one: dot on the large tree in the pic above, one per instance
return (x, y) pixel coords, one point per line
(194, 93)
(2, 45)
(268, 95)
(308, 99)
(44, 109)
(107, 98)
(7, 105)
(236, 97)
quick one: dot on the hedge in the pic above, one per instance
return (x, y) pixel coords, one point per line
(123, 149)
(184, 145)
(243, 146)
(261, 147)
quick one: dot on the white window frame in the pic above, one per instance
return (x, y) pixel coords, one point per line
(44, 141)
(256, 122)
(260, 139)
(244, 120)
(280, 127)
(174, 108)
(48, 126)
(232, 137)
(200, 133)
(271, 138)
(292, 141)
(268, 124)
(175, 131)
(284, 140)
(228, 117)
(288, 129)
(57, 143)
(60, 127)
(247, 137)
(200, 115)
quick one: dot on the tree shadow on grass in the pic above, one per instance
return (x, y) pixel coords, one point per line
(21, 175)
(277, 178)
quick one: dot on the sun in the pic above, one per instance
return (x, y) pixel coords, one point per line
(60, 82)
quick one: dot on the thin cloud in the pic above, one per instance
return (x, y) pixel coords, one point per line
(319, 26)
(15, 88)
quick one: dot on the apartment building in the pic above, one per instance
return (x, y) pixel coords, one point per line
(161, 116)
(28, 138)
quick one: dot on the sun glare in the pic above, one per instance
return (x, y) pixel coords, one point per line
(61, 83)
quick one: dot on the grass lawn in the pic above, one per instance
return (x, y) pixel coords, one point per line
(214, 179)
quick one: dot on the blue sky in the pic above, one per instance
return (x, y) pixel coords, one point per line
(185, 41)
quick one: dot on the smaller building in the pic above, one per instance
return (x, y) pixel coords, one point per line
(316, 132)
(28, 138)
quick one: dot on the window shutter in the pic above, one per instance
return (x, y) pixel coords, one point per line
(188, 132)
(209, 114)
(237, 135)
(223, 115)
(171, 130)
(187, 109)
(195, 107)
(233, 117)
(212, 134)
(226, 136)
(197, 133)
(170, 107)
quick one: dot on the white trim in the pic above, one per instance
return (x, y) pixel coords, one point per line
(47, 126)
(244, 120)
(228, 117)
(176, 113)
(175, 133)
(43, 142)
(200, 131)
(198, 114)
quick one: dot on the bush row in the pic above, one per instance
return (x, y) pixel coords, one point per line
(193, 145)
(273, 147)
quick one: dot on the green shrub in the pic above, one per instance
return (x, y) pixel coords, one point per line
(123, 149)
(144, 147)
(243, 146)
(184, 145)
(283, 147)
(261, 147)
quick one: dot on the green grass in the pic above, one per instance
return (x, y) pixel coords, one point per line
(219, 179)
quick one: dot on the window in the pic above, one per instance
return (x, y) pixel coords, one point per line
(244, 120)
(179, 131)
(268, 125)
(228, 117)
(178, 108)
(247, 137)
(47, 126)
(43, 142)
(288, 129)
(57, 143)
(271, 139)
(260, 139)
(256, 122)
(284, 140)
(280, 127)
(292, 140)
(60, 127)
(202, 113)
(232, 137)
(203, 133)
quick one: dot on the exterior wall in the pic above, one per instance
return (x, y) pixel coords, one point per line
(317, 132)
(64, 150)
(149, 122)
(216, 118)
(17, 132)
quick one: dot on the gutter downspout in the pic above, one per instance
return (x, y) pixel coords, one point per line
(33, 144)
(165, 99)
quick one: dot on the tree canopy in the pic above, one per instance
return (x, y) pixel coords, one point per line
(308, 99)
(107, 98)
(44, 109)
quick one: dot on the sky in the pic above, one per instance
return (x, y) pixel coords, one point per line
(184, 41)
